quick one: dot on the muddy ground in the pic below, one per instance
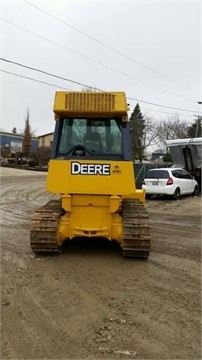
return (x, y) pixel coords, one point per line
(89, 302)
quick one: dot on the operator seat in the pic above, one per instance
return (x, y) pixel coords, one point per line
(92, 142)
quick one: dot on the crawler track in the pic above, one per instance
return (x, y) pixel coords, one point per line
(43, 236)
(136, 229)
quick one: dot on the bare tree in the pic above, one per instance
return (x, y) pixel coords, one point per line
(5, 151)
(41, 155)
(34, 133)
(151, 132)
(172, 128)
(26, 143)
(195, 129)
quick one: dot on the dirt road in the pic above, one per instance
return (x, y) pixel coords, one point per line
(89, 302)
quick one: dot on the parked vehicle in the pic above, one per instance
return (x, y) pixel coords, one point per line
(173, 182)
(187, 154)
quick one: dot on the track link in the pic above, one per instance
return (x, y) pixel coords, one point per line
(44, 226)
(136, 229)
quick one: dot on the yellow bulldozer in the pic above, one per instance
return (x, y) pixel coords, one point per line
(91, 168)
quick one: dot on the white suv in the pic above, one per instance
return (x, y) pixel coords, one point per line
(169, 181)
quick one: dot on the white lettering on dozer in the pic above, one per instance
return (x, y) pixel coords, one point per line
(89, 169)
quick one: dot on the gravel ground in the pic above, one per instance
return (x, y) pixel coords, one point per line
(89, 302)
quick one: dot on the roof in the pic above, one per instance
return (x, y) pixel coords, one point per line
(167, 168)
(159, 151)
(5, 133)
(188, 141)
(51, 133)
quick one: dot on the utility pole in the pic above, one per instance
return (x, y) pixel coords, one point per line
(199, 118)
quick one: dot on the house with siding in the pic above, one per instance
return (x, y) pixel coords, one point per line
(46, 139)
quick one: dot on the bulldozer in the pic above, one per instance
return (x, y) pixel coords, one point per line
(92, 171)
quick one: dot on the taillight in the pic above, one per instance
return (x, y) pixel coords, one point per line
(170, 181)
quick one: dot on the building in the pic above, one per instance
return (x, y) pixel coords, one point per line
(12, 143)
(46, 139)
(158, 155)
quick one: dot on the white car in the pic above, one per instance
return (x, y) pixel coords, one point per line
(169, 181)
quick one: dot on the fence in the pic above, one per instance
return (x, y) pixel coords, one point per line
(140, 170)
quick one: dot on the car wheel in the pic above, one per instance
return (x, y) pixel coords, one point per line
(176, 195)
(196, 190)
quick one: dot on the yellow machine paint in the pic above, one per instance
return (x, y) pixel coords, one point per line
(92, 170)
(91, 104)
(118, 178)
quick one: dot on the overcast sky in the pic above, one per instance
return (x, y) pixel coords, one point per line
(151, 50)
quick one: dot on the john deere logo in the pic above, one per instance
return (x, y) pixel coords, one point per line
(89, 169)
(116, 170)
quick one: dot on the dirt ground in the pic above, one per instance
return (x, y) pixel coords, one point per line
(89, 302)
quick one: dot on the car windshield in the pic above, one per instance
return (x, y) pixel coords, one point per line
(157, 174)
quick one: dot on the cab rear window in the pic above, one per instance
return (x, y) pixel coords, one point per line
(157, 174)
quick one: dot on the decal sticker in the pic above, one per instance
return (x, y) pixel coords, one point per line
(89, 169)
(116, 170)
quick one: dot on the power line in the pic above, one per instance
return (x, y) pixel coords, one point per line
(163, 112)
(39, 81)
(168, 107)
(78, 83)
(110, 48)
(47, 73)
(60, 87)
(93, 60)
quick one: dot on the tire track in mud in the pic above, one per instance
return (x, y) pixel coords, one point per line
(89, 302)
(19, 201)
(180, 241)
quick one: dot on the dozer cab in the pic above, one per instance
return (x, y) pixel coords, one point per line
(91, 168)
